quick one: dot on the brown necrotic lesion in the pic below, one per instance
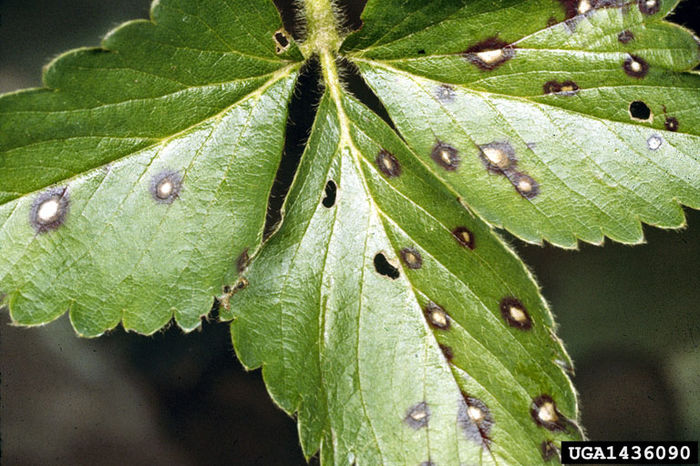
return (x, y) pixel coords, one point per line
(499, 157)
(166, 186)
(418, 415)
(476, 420)
(489, 54)
(388, 164)
(49, 210)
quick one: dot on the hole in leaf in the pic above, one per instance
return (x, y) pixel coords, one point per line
(640, 111)
(331, 191)
(282, 41)
(383, 267)
(290, 12)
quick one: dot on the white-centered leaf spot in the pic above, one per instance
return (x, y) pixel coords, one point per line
(635, 66)
(655, 142)
(388, 164)
(166, 186)
(446, 156)
(418, 415)
(545, 414)
(514, 313)
(476, 420)
(436, 316)
(411, 258)
(49, 209)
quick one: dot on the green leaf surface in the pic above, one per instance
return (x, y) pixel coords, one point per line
(558, 93)
(356, 352)
(385, 311)
(196, 98)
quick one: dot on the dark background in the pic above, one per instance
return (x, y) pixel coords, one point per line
(629, 317)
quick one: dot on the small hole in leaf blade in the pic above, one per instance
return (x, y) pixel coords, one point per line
(331, 191)
(639, 110)
(383, 267)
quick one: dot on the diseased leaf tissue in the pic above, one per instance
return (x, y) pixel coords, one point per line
(385, 311)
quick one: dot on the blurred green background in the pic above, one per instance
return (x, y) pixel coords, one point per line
(628, 315)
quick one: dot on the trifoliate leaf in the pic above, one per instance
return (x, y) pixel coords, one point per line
(399, 327)
(566, 119)
(385, 311)
(134, 180)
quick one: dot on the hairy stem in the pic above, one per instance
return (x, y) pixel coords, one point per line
(322, 29)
